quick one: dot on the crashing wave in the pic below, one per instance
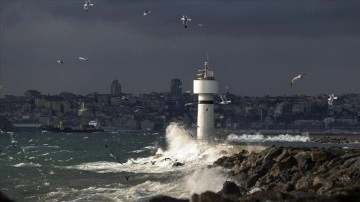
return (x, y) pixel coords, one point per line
(262, 138)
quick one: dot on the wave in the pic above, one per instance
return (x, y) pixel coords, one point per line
(27, 165)
(262, 138)
(156, 174)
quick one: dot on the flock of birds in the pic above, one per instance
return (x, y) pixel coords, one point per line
(185, 20)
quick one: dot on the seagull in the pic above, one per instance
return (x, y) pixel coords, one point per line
(146, 12)
(153, 162)
(224, 101)
(83, 58)
(60, 61)
(331, 99)
(201, 25)
(300, 76)
(87, 5)
(189, 104)
(185, 20)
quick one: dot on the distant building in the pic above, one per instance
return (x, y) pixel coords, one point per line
(31, 94)
(176, 87)
(115, 88)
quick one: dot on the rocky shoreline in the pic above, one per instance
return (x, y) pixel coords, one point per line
(287, 174)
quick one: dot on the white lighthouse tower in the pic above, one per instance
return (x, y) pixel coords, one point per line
(205, 86)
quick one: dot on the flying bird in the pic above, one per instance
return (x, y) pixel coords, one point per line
(189, 104)
(146, 12)
(331, 99)
(300, 76)
(224, 101)
(201, 25)
(60, 61)
(87, 5)
(185, 20)
(83, 58)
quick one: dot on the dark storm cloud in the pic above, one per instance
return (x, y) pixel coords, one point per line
(254, 46)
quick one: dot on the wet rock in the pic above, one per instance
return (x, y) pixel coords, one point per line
(230, 188)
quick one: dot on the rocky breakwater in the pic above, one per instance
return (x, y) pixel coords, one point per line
(290, 174)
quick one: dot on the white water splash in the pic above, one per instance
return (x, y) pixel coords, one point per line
(206, 180)
(192, 177)
(27, 165)
(262, 138)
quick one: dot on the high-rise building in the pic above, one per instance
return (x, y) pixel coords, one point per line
(115, 88)
(176, 87)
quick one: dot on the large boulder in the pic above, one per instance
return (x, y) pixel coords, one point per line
(230, 188)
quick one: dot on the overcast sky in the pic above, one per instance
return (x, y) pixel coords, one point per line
(255, 46)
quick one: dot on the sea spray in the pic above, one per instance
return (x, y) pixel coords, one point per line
(181, 145)
(262, 138)
(205, 179)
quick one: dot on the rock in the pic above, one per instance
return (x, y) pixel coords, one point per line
(303, 183)
(273, 153)
(283, 187)
(287, 163)
(4, 198)
(348, 194)
(321, 185)
(209, 196)
(266, 196)
(283, 154)
(319, 156)
(176, 164)
(303, 158)
(230, 188)
(195, 198)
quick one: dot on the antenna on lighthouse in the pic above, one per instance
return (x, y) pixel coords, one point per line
(206, 65)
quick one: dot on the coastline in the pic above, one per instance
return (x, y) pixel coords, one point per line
(287, 173)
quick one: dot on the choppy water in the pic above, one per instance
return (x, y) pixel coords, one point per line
(78, 167)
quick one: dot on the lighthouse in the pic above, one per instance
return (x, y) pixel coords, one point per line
(206, 87)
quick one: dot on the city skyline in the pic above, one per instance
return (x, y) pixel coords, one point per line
(255, 47)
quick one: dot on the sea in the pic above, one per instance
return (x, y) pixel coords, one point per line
(121, 166)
